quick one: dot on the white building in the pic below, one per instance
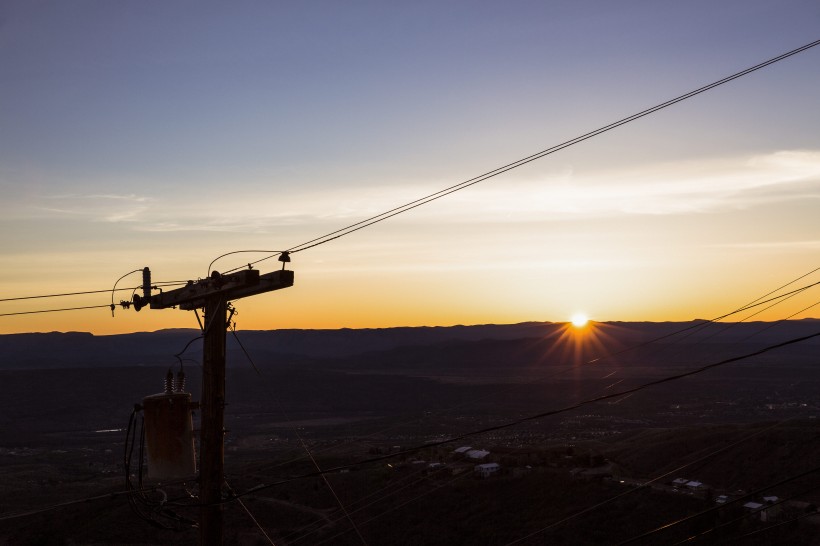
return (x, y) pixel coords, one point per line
(485, 470)
(477, 454)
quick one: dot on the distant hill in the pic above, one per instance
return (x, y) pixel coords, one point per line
(514, 342)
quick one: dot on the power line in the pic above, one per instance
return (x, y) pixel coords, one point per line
(80, 308)
(538, 155)
(648, 482)
(63, 294)
(699, 325)
(304, 445)
(103, 496)
(566, 519)
(770, 527)
(533, 417)
(55, 310)
(405, 503)
(716, 508)
(253, 518)
(480, 178)
(754, 303)
(744, 516)
(408, 451)
(86, 292)
(276, 253)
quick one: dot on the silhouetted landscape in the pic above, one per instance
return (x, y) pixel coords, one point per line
(724, 434)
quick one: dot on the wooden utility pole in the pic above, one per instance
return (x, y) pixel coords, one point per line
(212, 406)
(213, 294)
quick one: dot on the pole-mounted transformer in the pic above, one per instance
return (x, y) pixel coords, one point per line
(169, 435)
(168, 422)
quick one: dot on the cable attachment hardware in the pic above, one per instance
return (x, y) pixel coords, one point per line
(179, 386)
(232, 311)
(139, 302)
(284, 257)
(169, 382)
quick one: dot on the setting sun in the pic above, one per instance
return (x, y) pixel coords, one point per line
(579, 320)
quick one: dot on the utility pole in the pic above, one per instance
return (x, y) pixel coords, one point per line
(213, 294)
(212, 405)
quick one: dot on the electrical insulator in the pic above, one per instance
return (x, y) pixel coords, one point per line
(179, 386)
(169, 435)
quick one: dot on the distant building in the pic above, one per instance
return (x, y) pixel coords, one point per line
(463, 449)
(487, 469)
(767, 513)
(680, 482)
(694, 485)
(519, 471)
(477, 454)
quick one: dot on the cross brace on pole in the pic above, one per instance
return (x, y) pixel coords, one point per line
(213, 294)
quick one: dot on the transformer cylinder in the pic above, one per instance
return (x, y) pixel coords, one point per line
(169, 436)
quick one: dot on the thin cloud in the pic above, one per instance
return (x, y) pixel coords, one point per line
(100, 196)
(685, 188)
(772, 245)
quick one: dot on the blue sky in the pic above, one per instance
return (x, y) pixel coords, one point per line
(166, 134)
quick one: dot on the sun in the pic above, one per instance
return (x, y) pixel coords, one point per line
(579, 320)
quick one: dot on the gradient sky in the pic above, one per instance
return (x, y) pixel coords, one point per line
(165, 134)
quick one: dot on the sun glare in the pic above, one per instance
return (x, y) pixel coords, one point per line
(579, 320)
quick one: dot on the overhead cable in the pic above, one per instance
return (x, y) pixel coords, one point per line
(648, 483)
(538, 155)
(719, 507)
(55, 310)
(533, 417)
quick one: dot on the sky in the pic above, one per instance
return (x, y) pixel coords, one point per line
(162, 134)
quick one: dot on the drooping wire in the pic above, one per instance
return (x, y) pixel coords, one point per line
(115, 288)
(178, 356)
(304, 444)
(744, 516)
(533, 417)
(776, 525)
(20, 514)
(311, 528)
(402, 505)
(702, 324)
(648, 483)
(54, 310)
(153, 512)
(719, 507)
(275, 253)
(695, 328)
(538, 155)
(80, 308)
(752, 304)
(250, 515)
(86, 292)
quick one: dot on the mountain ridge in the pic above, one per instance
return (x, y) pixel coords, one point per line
(83, 349)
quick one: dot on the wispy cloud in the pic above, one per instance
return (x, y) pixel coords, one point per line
(667, 189)
(772, 245)
(112, 208)
(686, 188)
